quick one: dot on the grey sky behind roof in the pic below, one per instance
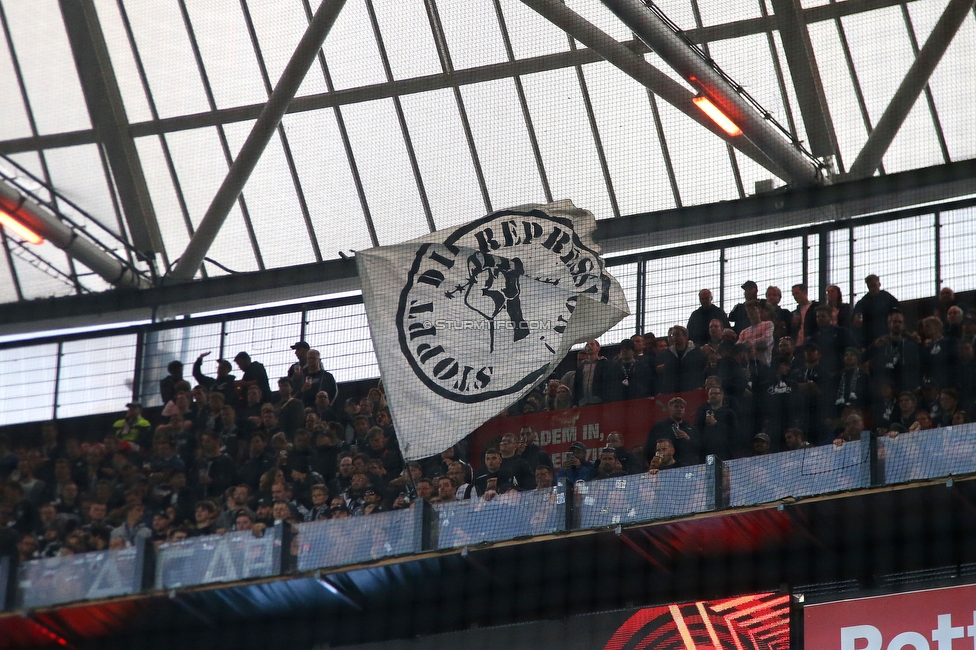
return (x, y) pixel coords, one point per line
(391, 136)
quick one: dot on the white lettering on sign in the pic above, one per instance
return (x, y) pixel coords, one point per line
(221, 567)
(108, 582)
(943, 635)
(592, 432)
(560, 436)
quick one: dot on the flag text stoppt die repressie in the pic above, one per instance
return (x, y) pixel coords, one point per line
(466, 321)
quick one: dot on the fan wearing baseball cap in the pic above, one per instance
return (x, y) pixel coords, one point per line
(575, 466)
(738, 315)
(295, 370)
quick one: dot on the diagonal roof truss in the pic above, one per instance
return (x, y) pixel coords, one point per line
(420, 114)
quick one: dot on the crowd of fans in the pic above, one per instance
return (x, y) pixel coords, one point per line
(778, 380)
(229, 454)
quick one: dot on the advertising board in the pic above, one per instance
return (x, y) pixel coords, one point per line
(936, 619)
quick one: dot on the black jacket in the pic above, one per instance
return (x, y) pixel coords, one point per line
(221, 470)
(503, 477)
(224, 385)
(699, 320)
(628, 381)
(254, 468)
(686, 452)
(321, 380)
(599, 377)
(721, 438)
(684, 373)
(523, 475)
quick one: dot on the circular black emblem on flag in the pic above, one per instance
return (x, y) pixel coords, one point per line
(484, 312)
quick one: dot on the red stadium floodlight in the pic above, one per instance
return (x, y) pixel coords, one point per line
(716, 115)
(19, 229)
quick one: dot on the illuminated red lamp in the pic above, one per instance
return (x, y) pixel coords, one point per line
(716, 115)
(19, 229)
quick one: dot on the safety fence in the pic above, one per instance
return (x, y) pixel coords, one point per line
(916, 251)
(86, 576)
(646, 497)
(512, 515)
(218, 558)
(940, 452)
(606, 503)
(325, 544)
(800, 473)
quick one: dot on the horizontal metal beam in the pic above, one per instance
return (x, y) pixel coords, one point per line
(48, 226)
(170, 301)
(711, 34)
(47, 141)
(776, 211)
(780, 211)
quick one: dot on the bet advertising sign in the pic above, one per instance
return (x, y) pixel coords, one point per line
(936, 619)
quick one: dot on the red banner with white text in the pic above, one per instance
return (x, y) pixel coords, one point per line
(940, 619)
(557, 430)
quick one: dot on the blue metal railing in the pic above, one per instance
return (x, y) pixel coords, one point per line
(611, 502)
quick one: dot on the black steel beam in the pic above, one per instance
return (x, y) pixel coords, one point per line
(821, 137)
(933, 183)
(915, 81)
(711, 34)
(149, 300)
(107, 113)
(925, 180)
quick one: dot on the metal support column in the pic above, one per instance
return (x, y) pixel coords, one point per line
(137, 371)
(721, 277)
(262, 132)
(107, 113)
(641, 302)
(850, 265)
(806, 78)
(824, 263)
(57, 382)
(806, 259)
(659, 36)
(937, 224)
(911, 87)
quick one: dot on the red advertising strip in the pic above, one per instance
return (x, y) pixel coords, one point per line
(755, 622)
(936, 619)
(557, 430)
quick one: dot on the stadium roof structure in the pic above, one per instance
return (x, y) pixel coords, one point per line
(121, 119)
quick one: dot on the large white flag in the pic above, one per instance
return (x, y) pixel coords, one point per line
(466, 321)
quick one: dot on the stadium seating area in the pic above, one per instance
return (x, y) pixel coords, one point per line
(841, 392)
